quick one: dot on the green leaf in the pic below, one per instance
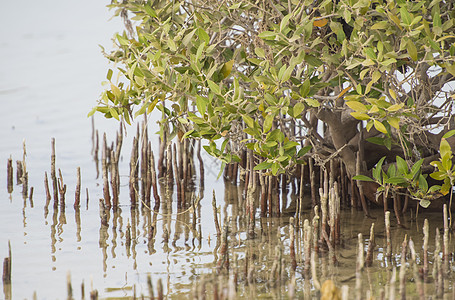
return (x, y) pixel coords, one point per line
(424, 203)
(379, 126)
(116, 91)
(416, 20)
(281, 72)
(267, 35)
(223, 165)
(275, 135)
(114, 113)
(271, 100)
(197, 120)
(370, 53)
(284, 22)
(248, 121)
(347, 16)
(259, 52)
(433, 45)
(148, 9)
(305, 88)
(450, 68)
(140, 81)
(215, 88)
(393, 94)
(203, 36)
(109, 74)
(188, 133)
(396, 180)
(376, 76)
(313, 61)
(304, 151)
(360, 116)
(374, 109)
(287, 73)
(152, 105)
(388, 143)
(268, 122)
(438, 165)
(380, 25)
(405, 16)
(402, 166)
(363, 73)
(362, 178)
(263, 165)
(377, 171)
(444, 148)
(423, 184)
(395, 107)
(394, 122)
(438, 175)
(201, 104)
(227, 68)
(416, 169)
(282, 158)
(388, 62)
(235, 5)
(142, 110)
(436, 20)
(449, 134)
(412, 50)
(357, 106)
(290, 144)
(312, 102)
(187, 39)
(434, 188)
(369, 125)
(123, 41)
(447, 161)
(126, 115)
(446, 187)
(171, 44)
(275, 168)
(376, 140)
(298, 108)
(395, 19)
(391, 171)
(92, 112)
(200, 49)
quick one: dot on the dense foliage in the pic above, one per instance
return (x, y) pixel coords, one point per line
(280, 77)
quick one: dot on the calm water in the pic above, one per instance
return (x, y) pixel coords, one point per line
(50, 78)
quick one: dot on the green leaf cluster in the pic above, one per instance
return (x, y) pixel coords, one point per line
(250, 74)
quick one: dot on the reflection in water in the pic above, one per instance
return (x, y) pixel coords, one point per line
(256, 266)
(103, 233)
(7, 291)
(54, 230)
(6, 278)
(115, 219)
(168, 243)
(77, 219)
(61, 222)
(24, 217)
(133, 240)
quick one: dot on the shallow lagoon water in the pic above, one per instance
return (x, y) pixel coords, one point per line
(52, 69)
(50, 78)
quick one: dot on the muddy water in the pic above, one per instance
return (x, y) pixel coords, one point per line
(49, 80)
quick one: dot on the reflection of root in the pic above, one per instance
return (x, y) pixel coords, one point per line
(329, 291)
